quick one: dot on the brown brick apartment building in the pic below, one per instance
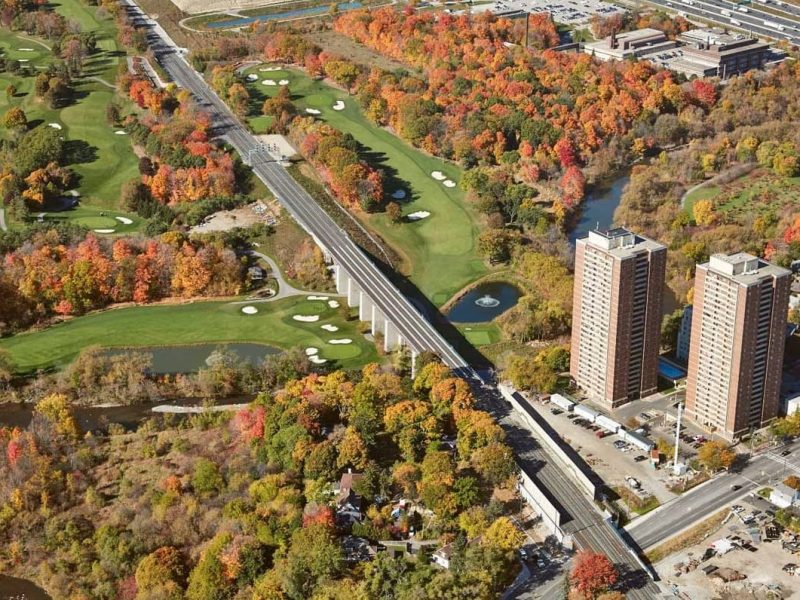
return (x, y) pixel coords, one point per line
(616, 323)
(737, 342)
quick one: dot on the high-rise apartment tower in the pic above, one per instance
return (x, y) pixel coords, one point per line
(737, 341)
(616, 322)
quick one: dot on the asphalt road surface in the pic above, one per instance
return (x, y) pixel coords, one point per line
(701, 503)
(583, 520)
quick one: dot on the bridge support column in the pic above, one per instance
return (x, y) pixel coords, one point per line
(391, 337)
(366, 307)
(353, 292)
(340, 279)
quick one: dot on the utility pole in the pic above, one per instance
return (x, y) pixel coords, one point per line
(677, 440)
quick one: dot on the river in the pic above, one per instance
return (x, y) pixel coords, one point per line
(599, 206)
(12, 588)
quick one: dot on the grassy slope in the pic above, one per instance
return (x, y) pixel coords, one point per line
(107, 159)
(199, 322)
(440, 250)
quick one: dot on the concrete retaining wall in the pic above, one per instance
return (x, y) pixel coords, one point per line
(535, 497)
(548, 438)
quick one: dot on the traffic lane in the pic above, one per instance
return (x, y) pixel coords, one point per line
(704, 501)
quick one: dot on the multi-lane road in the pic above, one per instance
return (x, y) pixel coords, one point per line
(746, 17)
(696, 505)
(582, 519)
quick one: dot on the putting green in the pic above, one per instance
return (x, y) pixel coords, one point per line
(439, 251)
(194, 323)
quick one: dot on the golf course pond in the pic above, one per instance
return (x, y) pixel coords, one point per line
(484, 302)
(188, 359)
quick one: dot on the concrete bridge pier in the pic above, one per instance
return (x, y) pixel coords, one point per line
(354, 293)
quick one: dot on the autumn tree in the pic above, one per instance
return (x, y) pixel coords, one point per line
(715, 455)
(15, 118)
(592, 574)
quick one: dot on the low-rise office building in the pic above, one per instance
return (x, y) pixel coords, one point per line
(704, 52)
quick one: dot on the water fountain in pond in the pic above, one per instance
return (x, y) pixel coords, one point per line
(487, 302)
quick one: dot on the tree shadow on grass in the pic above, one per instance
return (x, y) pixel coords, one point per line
(391, 177)
(79, 152)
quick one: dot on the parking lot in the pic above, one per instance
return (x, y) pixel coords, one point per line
(613, 459)
(576, 13)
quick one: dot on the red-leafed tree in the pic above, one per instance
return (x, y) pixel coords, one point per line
(592, 574)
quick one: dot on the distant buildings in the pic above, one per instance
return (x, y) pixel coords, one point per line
(737, 342)
(705, 52)
(619, 280)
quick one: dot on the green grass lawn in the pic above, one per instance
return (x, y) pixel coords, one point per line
(199, 322)
(98, 219)
(440, 251)
(707, 192)
(480, 334)
(757, 192)
(102, 159)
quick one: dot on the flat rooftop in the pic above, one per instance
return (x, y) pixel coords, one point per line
(744, 268)
(620, 242)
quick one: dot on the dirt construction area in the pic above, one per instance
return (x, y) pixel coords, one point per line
(245, 216)
(736, 562)
(196, 7)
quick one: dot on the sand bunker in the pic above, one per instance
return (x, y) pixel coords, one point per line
(438, 175)
(449, 183)
(316, 297)
(312, 351)
(283, 82)
(420, 214)
(270, 69)
(313, 111)
(268, 82)
(341, 341)
(55, 125)
(22, 60)
(252, 77)
(306, 318)
(103, 230)
(249, 310)
(124, 220)
(25, 49)
(120, 132)
(317, 360)
(399, 194)
(333, 303)
(339, 105)
(329, 327)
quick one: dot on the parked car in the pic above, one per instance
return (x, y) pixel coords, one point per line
(572, 416)
(786, 453)
(556, 411)
(640, 458)
(601, 434)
